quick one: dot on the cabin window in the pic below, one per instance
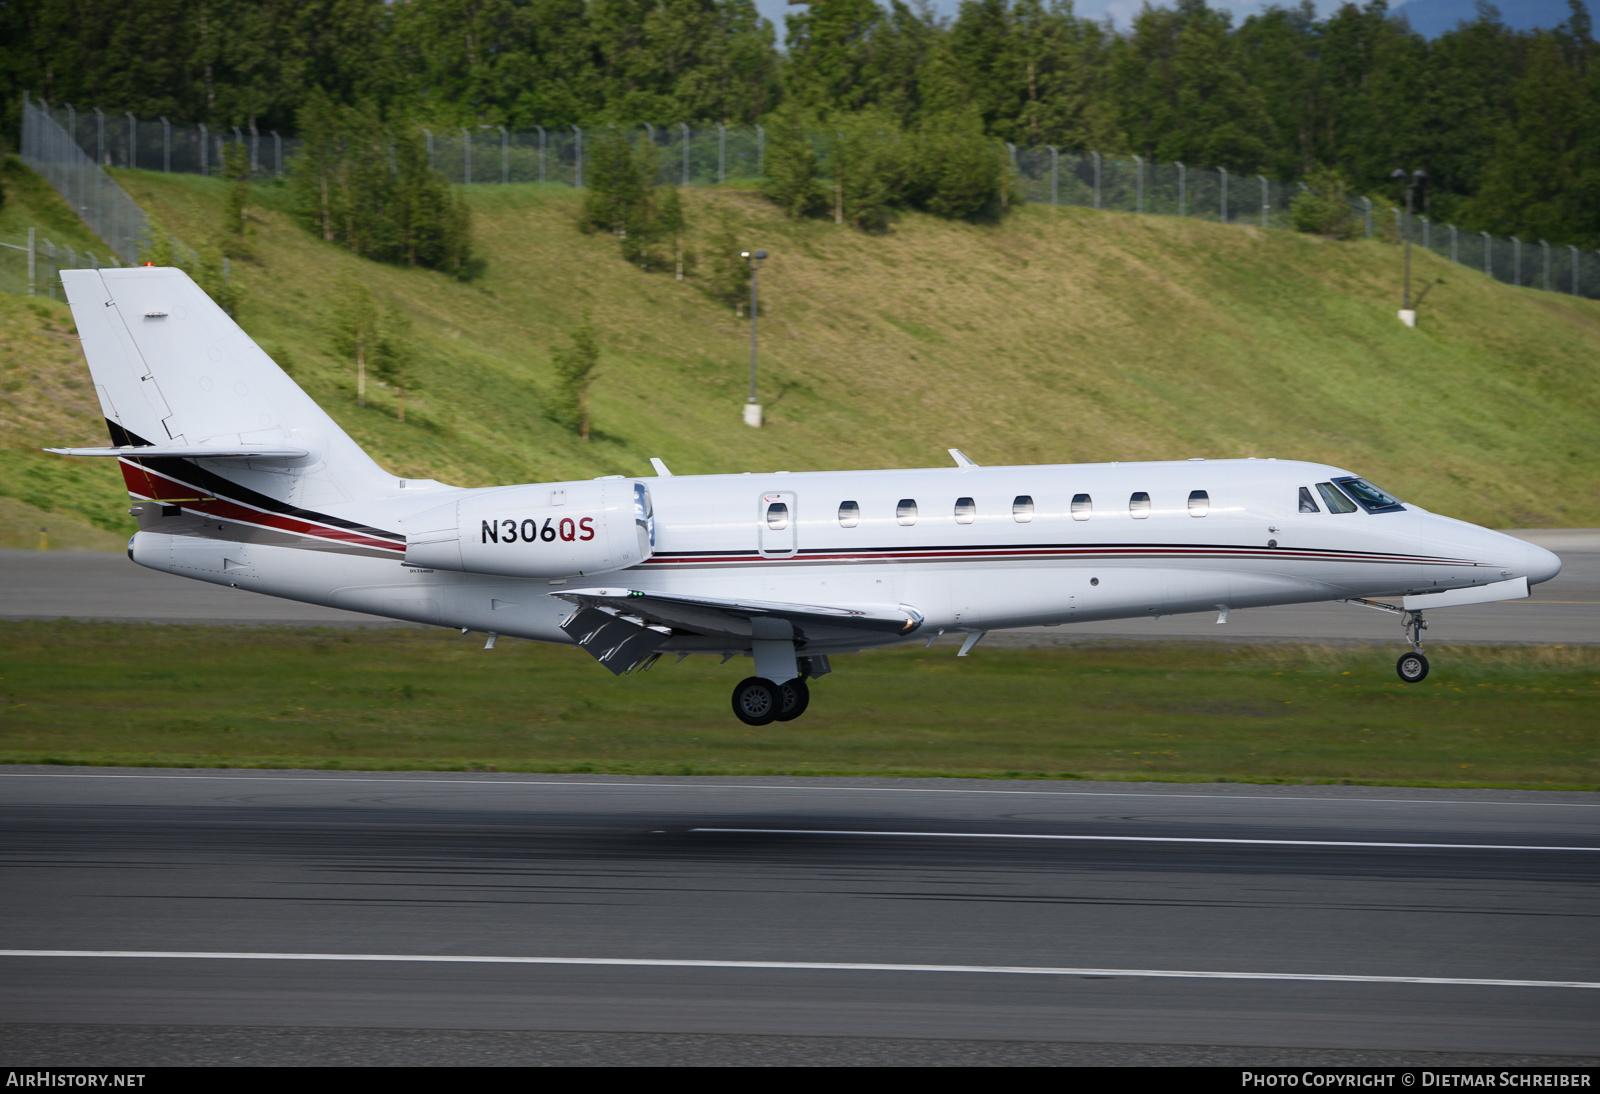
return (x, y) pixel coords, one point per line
(966, 511)
(777, 516)
(906, 511)
(1335, 501)
(1082, 506)
(1139, 505)
(849, 514)
(1199, 503)
(1371, 498)
(1022, 508)
(1308, 504)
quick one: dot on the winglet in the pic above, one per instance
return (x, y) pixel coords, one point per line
(963, 460)
(661, 468)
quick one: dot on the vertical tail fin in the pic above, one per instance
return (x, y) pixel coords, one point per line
(172, 369)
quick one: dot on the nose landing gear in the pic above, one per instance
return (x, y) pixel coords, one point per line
(1412, 667)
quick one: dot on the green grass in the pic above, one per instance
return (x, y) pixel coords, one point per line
(1056, 335)
(404, 698)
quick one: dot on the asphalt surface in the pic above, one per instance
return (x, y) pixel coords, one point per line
(1564, 611)
(773, 921)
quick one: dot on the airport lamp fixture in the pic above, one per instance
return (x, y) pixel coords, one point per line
(1408, 315)
(752, 406)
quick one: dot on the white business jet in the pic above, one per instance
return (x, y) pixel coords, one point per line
(240, 479)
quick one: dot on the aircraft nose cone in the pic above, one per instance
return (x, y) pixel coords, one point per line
(1539, 564)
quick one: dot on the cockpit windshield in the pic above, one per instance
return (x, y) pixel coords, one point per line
(1369, 497)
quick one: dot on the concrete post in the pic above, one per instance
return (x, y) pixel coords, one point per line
(1183, 191)
(466, 156)
(577, 173)
(685, 155)
(1266, 200)
(505, 155)
(1096, 156)
(540, 128)
(1138, 184)
(1055, 174)
(166, 147)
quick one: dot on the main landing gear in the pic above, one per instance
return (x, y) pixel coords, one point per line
(758, 701)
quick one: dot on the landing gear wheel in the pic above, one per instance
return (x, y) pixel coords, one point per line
(755, 701)
(1412, 667)
(793, 698)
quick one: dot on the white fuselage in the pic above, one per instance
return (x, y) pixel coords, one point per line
(990, 569)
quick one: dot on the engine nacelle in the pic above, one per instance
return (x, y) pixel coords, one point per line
(549, 530)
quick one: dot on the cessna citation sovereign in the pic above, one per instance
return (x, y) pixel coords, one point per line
(240, 479)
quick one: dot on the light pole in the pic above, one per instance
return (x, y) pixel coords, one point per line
(1407, 315)
(752, 408)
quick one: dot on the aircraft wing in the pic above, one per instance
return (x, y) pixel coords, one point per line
(622, 627)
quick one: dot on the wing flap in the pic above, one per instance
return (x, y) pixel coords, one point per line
(743, 621)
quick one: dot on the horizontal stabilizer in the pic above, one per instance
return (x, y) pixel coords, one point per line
(192, 451)
(1478, 594)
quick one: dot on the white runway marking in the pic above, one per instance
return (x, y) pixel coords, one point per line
(826, 966)
(807, 789)
(1143, 839)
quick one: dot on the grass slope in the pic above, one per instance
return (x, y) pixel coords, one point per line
(1057, 335)
(403, 698)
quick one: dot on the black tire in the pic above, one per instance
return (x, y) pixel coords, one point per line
(755, 701)
(793, 698)
(1412, 668)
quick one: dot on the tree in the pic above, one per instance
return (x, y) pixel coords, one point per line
(575, 365)
(791, 165)
(727, 277)
(1324, 207)
(669, 211)
(354, 330)
(957, 171)
(236, 171)
(394, 357)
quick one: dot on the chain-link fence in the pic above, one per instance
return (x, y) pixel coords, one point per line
(68, 146)
(58, 155)
(31, 263)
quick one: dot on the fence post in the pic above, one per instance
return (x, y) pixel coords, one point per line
(277, 155)
(255, 148)
(505, 155)
(1366, 206)
(685, 157)
(1055, 162)
(1570, 247)
(205, 150)
(1266, 200)
(1224, 172)
(166, 147)
(722, 152)
(1516, 261)
(466, 156)
(1138, 184)
(100, 138)
(1427, 236)
(577, 174)
(1546, 248)
(133, 139)
(1399, 231)
(540, 128)
(1488, 242)
(761, 151)
(50, 267)
(429, 134)
(1096, 156)
(1183, 190)
(33, 252)
(1455, 252)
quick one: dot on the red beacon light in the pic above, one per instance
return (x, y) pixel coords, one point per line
(149, 263)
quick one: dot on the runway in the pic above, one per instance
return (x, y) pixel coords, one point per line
(434, 917)
(1564, 611)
